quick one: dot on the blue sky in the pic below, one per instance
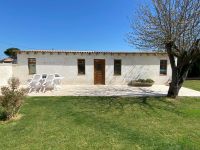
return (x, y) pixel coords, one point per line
(66, 24)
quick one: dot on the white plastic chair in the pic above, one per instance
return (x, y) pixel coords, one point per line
(57, 75)
(57, 81)
(34, 83)
(44, 76)
(49, 83)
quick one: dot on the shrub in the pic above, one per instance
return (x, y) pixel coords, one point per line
(12, 99)
(142, 82)
(1, 113)
(145, 81)
(149, 81)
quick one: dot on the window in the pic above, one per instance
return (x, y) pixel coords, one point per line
(163, 67)
(32, 65)
(81, 66)
(117, 67)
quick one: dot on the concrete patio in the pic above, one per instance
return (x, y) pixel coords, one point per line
(105, 90)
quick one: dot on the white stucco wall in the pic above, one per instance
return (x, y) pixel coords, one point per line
(133, 67)
(5, 73)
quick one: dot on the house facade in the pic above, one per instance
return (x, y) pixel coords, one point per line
(89, 67)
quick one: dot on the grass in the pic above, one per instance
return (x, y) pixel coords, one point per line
(192, 84)
(104, 123)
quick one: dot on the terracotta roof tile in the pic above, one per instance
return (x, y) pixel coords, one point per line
(7, 60)
(95, 52)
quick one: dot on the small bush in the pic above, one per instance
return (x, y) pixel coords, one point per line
(142, 82)
(12, 99)
(2, 116)
(149, 81)
(145, 81)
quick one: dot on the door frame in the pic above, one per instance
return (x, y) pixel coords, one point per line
(104, 76)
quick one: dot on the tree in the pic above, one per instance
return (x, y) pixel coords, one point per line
(194, 71)
(172, 26)
(12, 52)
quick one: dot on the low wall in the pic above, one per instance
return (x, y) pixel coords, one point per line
(5, 73)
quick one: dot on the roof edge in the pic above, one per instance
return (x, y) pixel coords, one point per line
(89, 52)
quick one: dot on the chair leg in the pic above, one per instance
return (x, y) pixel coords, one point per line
(44, 89)
(41, 89)
(30, 89)
(55, 87)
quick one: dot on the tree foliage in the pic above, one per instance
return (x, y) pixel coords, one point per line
(172, 26)
(12, 52)
(194, 71)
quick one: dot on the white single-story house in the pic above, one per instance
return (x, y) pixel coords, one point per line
(91, 67)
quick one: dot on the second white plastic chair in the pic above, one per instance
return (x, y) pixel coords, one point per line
(49, 83)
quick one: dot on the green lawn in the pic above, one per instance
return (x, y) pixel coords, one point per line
(90, 123)
(192, 84)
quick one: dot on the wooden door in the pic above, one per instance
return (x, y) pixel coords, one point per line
(99, 71)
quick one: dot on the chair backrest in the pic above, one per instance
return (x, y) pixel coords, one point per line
(44, 76)
(36, 77)
(50, 78)
(57, 75)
